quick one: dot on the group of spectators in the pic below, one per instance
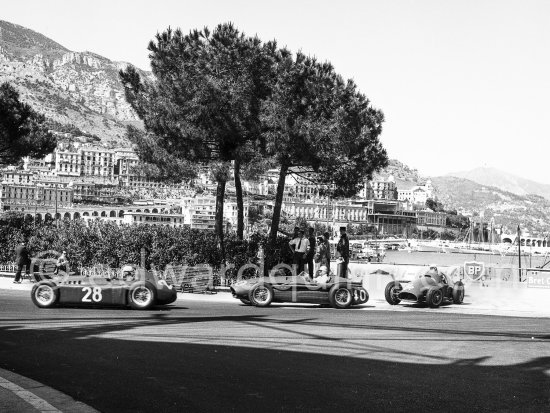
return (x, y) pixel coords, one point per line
(315, 251)
(23, 260)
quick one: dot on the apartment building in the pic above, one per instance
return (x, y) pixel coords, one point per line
(149, 218)
(200, 212)
(98, 162)
(23, 196)
(68, 162)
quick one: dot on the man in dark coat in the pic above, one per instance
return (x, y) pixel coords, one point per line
(343, 249)
(21, 259)
(311, 252)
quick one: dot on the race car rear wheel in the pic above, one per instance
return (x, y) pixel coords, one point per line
(142, 296)
(261, 295)
(245, 301)
(45, 294)
(458, 292)
(392, 290)
(434, 297)
(340, 297)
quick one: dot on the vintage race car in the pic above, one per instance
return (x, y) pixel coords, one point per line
(141, 291)
(432, 288)
(336, 291)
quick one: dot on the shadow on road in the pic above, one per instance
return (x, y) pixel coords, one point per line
(116, 375)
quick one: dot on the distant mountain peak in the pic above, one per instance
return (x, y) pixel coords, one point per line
(26, 42)
(77, 88)
(505, 181)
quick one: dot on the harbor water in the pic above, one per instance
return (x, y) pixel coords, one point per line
(451, 259)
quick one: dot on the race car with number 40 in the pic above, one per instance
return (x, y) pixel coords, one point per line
(336, 291)
(138, 289)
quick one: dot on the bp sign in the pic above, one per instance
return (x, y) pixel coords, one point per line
(474, 270)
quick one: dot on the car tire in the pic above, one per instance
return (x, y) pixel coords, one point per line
(458, 292)
(391, 291)
(245, 301)
(434, 297)
(340, 296)
(45, 294)
(142, 296)
(261, 295)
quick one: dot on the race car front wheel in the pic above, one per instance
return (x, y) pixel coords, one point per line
(340, 297)
(261, 295)
(458, 292)
(45, 294)
(434, 297)
(391, 292)
(141, 296)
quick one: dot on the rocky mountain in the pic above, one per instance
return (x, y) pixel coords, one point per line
(79, 88)
(509, 209)
(505, 181)
(531, 212)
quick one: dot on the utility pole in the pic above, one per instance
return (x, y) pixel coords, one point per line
(519, 253)
(35, 202)
(56, 221)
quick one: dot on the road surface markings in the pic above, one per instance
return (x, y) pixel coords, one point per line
(31, 398)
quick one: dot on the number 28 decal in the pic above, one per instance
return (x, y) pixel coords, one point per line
(92, 294)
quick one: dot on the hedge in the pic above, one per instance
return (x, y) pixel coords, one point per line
(92, 243)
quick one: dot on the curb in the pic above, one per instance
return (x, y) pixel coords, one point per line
(38, 396)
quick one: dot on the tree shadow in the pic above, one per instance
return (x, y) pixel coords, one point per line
(138, 373)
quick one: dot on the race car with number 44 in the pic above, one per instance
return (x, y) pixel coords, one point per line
(432, 288)
(138, 289)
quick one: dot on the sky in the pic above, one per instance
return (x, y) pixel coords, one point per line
(462, 83)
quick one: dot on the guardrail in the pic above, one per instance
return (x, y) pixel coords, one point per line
(8, 267)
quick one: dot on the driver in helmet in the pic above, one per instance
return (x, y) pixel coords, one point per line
(435, 274)
(128, 273)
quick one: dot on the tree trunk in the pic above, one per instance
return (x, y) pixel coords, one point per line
(220, 193)
(278, 206)
(239, 195)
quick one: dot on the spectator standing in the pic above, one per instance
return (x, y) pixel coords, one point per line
(62, 263)
(343, 249)
(310, 252)
(320, 254)
(21, 259)
(299, 247)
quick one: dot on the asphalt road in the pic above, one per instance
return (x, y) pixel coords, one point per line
(216, 356)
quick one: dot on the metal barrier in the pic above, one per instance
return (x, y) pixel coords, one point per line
(8, 267)
(197, 279)
(99, 270)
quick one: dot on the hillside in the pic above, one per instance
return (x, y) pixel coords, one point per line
(79, 88)
(531, 212)
(400, 172)
(505, 181)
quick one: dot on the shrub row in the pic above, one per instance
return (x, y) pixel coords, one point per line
(90, 243)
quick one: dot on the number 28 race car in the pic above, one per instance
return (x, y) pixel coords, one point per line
(432, 288)
(336, 291)
(140, 290)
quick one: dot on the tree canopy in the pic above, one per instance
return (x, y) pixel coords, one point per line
(315, 119)
(22, 130)
(204, 102)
